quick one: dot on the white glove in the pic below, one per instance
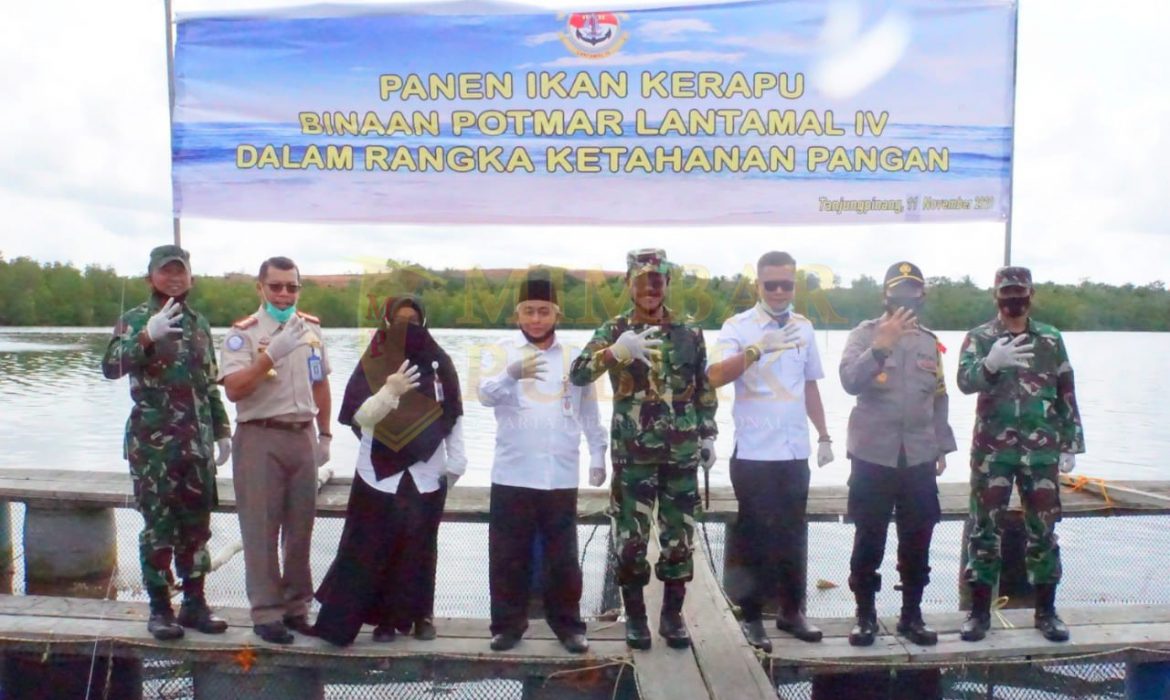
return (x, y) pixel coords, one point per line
(596, 476)
(824, 452)
(403, 380)
(707, 453)
(636, 346)
(452, 479)
(1068, 462)
(528, 367)
(1007, 353)
(322, 451)
(223, 448)
(167, 321)
(287, 340)
(779, 340)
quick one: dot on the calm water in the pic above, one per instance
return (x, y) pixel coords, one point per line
(60, 413)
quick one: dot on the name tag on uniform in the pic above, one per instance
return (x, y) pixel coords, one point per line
(316, 371)
(566, 398)
(438, 382)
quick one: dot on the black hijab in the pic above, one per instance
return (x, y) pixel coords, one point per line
(412, 432)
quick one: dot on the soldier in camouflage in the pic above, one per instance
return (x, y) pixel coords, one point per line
(165, 347)
(1027, 427)
(663, 429)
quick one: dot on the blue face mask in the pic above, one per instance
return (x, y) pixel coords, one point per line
(281, 315)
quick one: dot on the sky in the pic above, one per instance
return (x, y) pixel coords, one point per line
(85, 166)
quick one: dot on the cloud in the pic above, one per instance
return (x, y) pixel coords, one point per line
(770, 43)
(641, 59)
(538, 39)
(670, 29)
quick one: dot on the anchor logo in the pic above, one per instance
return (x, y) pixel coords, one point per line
(594, 34)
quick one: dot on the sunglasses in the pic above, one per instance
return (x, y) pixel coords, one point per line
(290, 287)
(773, 285)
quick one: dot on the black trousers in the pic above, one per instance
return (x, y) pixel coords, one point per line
(910, 495)
(767, 544)
(516, 516)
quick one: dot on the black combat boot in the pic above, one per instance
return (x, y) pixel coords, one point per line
(162, 624)
(910, 624)
(791, 618)
(978, 620)
(670, 623)
(865, 631)
(637, 630)
(1047, 621)
(194, 612)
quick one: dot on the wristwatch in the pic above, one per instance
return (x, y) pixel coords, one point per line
(752, 353)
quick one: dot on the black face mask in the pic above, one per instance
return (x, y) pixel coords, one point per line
(1014, 307)
(912, 304)
(535, 340)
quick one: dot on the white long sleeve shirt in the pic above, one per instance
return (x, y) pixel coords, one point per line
(539, 424)
(449, 457)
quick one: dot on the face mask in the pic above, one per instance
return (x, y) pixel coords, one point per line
(781, 316)
(1014, 307)
(281, 315)
(911, 304)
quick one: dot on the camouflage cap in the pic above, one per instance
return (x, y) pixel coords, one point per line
(167, 253)
(904, 271)
(1013, 276)
(647, 260)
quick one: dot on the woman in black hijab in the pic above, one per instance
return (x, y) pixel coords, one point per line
(408, 421)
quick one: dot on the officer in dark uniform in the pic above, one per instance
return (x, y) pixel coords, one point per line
(898, 440)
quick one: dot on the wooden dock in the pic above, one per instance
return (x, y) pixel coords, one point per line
(719, 666)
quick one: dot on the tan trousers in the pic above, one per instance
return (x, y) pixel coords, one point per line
(275, 478)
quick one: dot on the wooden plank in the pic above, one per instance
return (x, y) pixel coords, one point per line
(662, 673)
(731, 670)
(95, 609)
(63, 488)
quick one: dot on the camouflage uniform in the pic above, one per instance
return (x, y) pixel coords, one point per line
(1025, 418)
(177, 417)
(660, 414)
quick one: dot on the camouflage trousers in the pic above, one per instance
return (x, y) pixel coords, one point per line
(175, 501)
(991, 488)
(636, 489)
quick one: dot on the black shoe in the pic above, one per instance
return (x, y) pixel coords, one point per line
(753, 630)
(299, 623)
(865, 631)
(424, 629)
(196, 615)
(637, 633)
(912, 627)
(273, 632)
(796, 625)
(163, 627)
(1052, 627)
(672, 628)
(384, 634)
(504, 641)
(975, 627)
(575, 643)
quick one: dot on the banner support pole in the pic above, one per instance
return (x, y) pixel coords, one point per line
(1007, 229)
(171, 111)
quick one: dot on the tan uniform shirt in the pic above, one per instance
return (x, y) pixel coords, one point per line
(289, 395)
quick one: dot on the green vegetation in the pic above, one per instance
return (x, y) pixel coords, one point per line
(35, 294)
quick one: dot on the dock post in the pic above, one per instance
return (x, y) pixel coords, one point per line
(7, 567)
(261, 681)
(69, 552)
(1147, 681)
